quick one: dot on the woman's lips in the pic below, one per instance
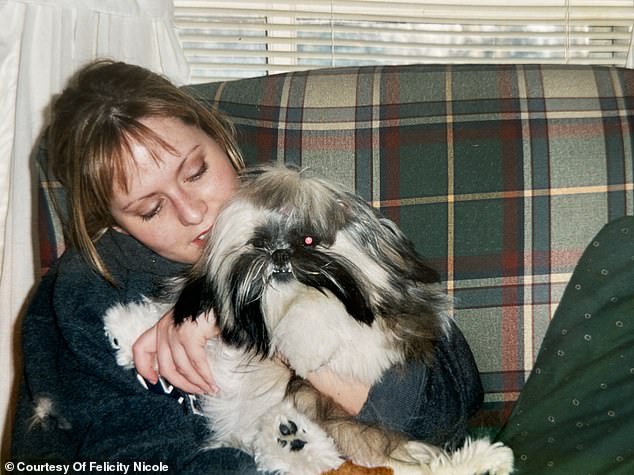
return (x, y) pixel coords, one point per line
(202, 237)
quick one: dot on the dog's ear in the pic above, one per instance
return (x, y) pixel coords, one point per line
(247, 330)
(409, 262)
(195, 298)
(238, 308)
(387, 242)
(321, 272)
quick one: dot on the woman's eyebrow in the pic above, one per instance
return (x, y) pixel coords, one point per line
(188, 155)
(136, 200)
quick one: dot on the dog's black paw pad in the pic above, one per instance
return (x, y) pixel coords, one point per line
(297, 444)
(288, 429)
(288, 438)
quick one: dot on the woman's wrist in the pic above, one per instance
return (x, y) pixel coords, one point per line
(351, 395)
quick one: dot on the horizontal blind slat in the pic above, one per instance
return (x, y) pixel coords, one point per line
(444, 47)
(428, 12)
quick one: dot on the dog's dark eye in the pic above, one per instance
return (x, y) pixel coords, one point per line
(258, 242)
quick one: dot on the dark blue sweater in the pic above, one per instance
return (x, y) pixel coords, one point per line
(97, 411)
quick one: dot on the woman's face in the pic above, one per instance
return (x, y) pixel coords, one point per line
(172, 203)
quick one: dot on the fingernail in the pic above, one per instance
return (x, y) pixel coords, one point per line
(142, 381)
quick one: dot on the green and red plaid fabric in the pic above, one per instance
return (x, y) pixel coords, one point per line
(500, 174)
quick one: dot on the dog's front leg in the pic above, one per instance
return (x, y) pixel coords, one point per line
(373, 446)
(303, 319)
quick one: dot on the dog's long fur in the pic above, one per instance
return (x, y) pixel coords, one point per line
(300, 268)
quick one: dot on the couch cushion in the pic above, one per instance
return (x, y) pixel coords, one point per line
(500, 174)
(575, 413)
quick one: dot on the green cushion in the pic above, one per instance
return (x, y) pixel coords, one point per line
(575, 415)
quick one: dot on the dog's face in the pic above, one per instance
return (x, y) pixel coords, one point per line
(284, 233)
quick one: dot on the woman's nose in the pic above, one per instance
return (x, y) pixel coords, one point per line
(191, 209)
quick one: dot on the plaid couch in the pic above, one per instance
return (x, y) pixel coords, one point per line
(500, 174)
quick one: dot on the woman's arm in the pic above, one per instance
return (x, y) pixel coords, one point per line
(182, 360)
(348, 393)
(427, 403)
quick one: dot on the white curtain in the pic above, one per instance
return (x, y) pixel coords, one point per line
(42, 42)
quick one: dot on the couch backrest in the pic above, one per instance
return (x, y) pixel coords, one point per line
(500, 174)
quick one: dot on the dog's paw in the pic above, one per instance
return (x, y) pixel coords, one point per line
(414, 458)
(288, 437)
(415, 452)
(476, 457)
(493, 458)
(123, 324)
(287, 442)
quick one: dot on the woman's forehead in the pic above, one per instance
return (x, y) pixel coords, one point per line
(140, 154)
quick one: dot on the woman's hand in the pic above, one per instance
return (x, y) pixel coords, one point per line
(177, 353)
(349, 394)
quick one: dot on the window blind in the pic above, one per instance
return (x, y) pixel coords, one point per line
(226, 39)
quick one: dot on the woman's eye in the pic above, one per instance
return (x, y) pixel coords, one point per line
(199, 173)
(155, 211)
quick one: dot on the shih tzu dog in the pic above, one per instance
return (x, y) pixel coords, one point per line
(300, 274)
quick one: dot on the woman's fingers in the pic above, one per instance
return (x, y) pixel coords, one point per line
(175, 366)
(144, 355)
(178, 354)
(200, 368)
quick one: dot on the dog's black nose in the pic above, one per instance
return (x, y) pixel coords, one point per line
(281, 258)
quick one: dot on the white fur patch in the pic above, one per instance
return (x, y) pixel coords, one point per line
(346, 247)
(232, 230)
(45, 414)
(125, 323)
(248, 389)
(312, 329)
(476, 457)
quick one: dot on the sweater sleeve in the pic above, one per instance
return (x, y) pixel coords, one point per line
(431, 403)
(76, 404)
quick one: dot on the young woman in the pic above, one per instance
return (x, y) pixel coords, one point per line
(146, 170)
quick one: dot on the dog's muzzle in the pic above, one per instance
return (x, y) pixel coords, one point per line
(281, 259)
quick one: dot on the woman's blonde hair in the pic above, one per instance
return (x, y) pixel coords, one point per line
(94, 122)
